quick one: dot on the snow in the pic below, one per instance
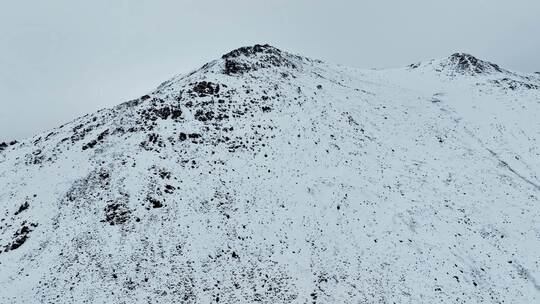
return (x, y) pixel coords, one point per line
(318, 183)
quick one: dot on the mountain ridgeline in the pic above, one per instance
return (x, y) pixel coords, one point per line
(268, 177)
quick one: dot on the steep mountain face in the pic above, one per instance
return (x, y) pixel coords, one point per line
(269, 177)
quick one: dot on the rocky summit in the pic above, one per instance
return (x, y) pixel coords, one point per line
(268, 177)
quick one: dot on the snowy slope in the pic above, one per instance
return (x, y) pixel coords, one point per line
(269, 177)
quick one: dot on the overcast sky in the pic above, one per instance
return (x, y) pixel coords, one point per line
(60, 59)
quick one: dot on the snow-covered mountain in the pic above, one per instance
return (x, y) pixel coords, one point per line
(269, 177)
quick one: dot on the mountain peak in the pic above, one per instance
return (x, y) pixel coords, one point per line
(251, 58)
(461, 64)
(468, 64)
(250, 51)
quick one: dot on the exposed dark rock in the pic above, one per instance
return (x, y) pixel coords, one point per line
(176, 113)
(204, 88)
(469, 64)
(116, 213)
(89, 145)
(22, 208)
(94, 142)
(414, 65)
(266, 57)
(203, 116)
(164, 112)
(4, 145)
(164, 174)
(153, 141)
(156, 203)
(266, 108)
(512, 84)
(35, 158)
(194, 135)
(169, 189)
(251, 50)
(20, 236)
(235, 67)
